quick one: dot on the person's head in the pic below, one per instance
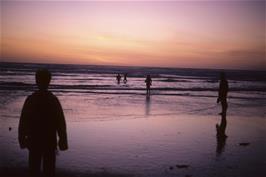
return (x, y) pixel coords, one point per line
(43, 78)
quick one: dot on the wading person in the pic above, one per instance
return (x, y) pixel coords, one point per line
(118, 78)
(125, 78)
(148, 82)
(42, 119)
(222, 96)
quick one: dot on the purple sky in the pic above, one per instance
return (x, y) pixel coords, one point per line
(209, 34)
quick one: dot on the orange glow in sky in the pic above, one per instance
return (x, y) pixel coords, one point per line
(191, 34)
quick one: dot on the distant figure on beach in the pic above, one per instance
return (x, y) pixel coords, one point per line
(118, 78)
(148, 82)
(220, 135)
(222, 96)
(42, 118)
(125, 78)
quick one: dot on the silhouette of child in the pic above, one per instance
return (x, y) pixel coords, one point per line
(125, 78)
(42, 118)
(118, 78)
(223, 90)
(148, 82)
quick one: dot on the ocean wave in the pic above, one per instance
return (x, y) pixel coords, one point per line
(185, 73)
(157, 94)
(174, 80)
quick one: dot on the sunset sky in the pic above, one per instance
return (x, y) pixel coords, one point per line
(194, 34)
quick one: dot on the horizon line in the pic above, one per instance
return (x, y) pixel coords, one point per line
(117, 65)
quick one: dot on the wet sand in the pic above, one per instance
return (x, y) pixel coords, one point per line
(112, 135)
(154, 146)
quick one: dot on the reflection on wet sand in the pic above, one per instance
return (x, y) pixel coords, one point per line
(220, 135)
(148, 105)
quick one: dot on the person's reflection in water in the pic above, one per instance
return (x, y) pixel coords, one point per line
(42, 119)
(220, 135)
(148, 105)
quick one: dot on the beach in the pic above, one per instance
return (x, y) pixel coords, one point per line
(103, 88)
(115, 130)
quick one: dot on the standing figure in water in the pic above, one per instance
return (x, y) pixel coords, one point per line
(148, 82)
(118, 78)
(41, 120)
(223, 89)
(125, 78)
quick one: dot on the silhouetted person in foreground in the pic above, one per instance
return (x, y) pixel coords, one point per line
(220, 135)
(223, 89)
(148, 82)
(41, 120)
(125, 78)
(118, 78)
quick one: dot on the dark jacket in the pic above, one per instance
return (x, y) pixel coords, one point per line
(42, 118)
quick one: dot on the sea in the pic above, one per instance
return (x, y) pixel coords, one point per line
(116, 129)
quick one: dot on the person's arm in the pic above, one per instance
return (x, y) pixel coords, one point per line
(61, 127)
(23, 127)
